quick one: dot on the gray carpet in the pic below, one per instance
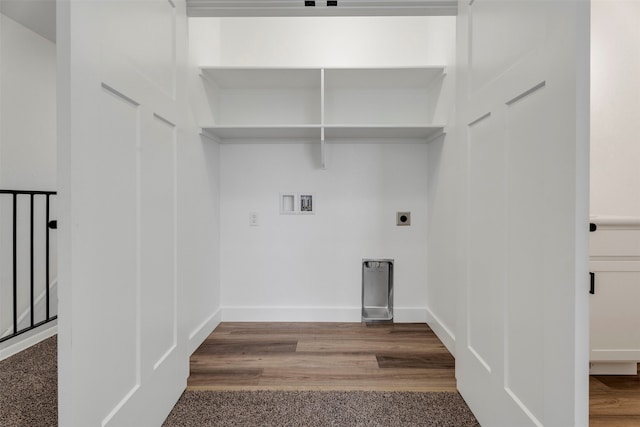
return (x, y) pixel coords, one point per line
(28, 398)
(29, 387)
(311, 408)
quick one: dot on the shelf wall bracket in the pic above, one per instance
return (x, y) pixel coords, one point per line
(323, 151)
(323, 146)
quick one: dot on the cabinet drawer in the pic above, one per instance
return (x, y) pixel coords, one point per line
(615, 243)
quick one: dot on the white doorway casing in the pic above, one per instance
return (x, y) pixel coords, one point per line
(124, 138)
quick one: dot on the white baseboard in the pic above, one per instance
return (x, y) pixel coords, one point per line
(410, 315)
(445, 335)
(291, 314)
(613, 368)
(314, 314)
(26, 340)
(203, 330)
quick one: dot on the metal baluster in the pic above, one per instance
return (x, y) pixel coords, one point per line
(15, 263)
(46, 226)
(31, 290)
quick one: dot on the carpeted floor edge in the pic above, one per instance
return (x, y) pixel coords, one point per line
(29, 386)
(29, 398)
(320, 408)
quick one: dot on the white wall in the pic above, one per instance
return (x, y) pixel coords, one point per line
(27, 157)
(309, 267)
(199, 203)
(28, 102)
(615, 108)
(446, 175)
(324, 41)
(199, 237)
(199, 222)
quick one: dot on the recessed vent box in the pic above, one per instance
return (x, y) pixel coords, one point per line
(377, 290)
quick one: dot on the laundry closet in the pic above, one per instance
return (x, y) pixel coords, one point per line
(352, 111)
(356, 115)
(241, 169)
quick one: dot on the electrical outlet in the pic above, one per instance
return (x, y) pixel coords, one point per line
(403, 218)
(253, 219)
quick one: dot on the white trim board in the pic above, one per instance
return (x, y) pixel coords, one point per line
(28, 339)
(442, 332)
(222, 8)
(202, 331)
(314, 314)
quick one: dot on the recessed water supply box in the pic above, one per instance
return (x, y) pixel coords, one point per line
(377, 290)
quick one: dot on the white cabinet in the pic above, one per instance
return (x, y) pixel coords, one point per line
(615, 302)
(323, 104)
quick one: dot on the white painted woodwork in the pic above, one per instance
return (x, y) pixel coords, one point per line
(265, 134)
(297, 8)
(522, 334)
(328, 104)
(335, 133)
(614, 314)
(366, 181)
(405, 133)
(28, 339)
(125, 94)
(125, 142)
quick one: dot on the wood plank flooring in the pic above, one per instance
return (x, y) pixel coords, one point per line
(355, 356)
(322, 356)
(614, 400)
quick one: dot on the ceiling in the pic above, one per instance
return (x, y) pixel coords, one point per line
(37, 15)
(40, 15)
(343, 8)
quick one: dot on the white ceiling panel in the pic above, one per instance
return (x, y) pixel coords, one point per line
(37, 15)
(344, 8)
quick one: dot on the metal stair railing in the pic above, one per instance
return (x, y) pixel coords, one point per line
(14, 329)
